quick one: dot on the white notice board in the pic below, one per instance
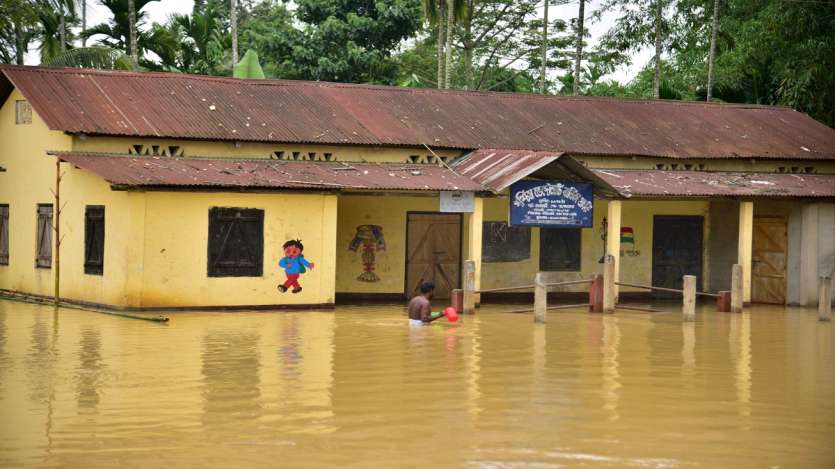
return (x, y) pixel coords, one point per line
(457, 201)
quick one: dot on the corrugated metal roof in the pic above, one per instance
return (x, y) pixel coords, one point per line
(150, 172)
(217, 108)
(701, 183)
(498, 169)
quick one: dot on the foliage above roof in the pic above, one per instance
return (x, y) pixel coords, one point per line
(98, 102)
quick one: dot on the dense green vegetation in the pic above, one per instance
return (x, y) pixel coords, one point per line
(766, 51)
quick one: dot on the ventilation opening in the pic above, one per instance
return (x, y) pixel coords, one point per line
(278, 155)
(810, 170)
(659, 166)
(414, 159)
(329, 157)
(296, 156)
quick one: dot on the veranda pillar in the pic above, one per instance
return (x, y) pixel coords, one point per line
(746, 236)
(613, 238)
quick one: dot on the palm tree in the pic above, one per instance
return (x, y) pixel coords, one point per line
(122, 32)
(544, 48)
(200, 40)
(83, 22)
(437, 12)
(51, 30)
(659, 18)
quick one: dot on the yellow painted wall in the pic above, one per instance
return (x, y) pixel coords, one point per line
(390, 213)
(176, 249)
(257, 150)
(633, 268)
(29, 179)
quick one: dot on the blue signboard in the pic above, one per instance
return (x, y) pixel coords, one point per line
(551, 204)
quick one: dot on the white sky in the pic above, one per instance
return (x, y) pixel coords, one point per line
(160, 10)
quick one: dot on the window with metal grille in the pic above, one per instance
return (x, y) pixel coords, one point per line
(94, 240)
(4, 234)
(23, 112)
(44, 246)
(236, 242)
(559, 249)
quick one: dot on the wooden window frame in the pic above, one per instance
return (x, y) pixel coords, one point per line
(573, 267)
(4, 234)
(43, 228)
(225, 222)
(94, 227)
(22, 112)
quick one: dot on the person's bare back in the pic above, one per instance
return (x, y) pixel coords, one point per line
(420, 308)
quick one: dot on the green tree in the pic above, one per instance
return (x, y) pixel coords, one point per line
(351, 40)
(200, 42)
(18, 26)
(52, 31)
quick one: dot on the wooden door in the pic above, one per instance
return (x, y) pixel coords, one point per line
(433, 252)
(768, 259)
(676, 251)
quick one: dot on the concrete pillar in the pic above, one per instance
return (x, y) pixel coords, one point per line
(746, 236)
(469, 287)
(809, 255)
(825, 299)
(613, 239)
(736, 289)
(540, 298)
(826, 239)
(476, 221)
(609, 286)
(688, 307)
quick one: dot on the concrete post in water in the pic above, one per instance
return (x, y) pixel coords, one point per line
(688, 308)
(736, 288)
(596, 294)
(745, 248)
(540, 298)
(613, 214)
(723, 303)
(825, 299)
(469, 287)
(609, 284)
(456, 300)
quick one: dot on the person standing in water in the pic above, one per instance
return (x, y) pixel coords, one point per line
(420, 307)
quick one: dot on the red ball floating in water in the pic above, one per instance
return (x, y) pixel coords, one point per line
(451, 314)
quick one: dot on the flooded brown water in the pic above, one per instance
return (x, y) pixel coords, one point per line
(359, 388)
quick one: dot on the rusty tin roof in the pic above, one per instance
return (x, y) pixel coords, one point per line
(701, 183)
(183, 106)
(498, 169)
(164, 172)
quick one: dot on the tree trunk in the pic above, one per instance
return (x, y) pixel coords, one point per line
(233, 13)
(62, 29)
(468, 47)
(441, 44)
(450, 15)
(544, 49)
(578, 57)
(656, 80)
(19, 45)
(712, 57)
(83, 22)
(134, 53)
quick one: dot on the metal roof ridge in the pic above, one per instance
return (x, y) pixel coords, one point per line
(374, 87)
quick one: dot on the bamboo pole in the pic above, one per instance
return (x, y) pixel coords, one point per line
(540, 299)
(469, 287)
(736, 288)
(825, 299)
(549, 308)
(688, 310)
(56, 227)
(609, 284)
(672, 290)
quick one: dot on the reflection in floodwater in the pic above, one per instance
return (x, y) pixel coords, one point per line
(610, 365)
(231, 387)
(740, 344)
(358, 387)
(89, 369)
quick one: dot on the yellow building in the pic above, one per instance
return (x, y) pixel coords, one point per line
(175, 191)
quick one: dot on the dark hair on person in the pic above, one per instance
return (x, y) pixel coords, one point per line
(294, 242)
(427, 287)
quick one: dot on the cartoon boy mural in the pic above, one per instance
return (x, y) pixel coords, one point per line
(294, 264)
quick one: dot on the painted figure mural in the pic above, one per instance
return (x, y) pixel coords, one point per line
(370, 237)
(294, 264)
